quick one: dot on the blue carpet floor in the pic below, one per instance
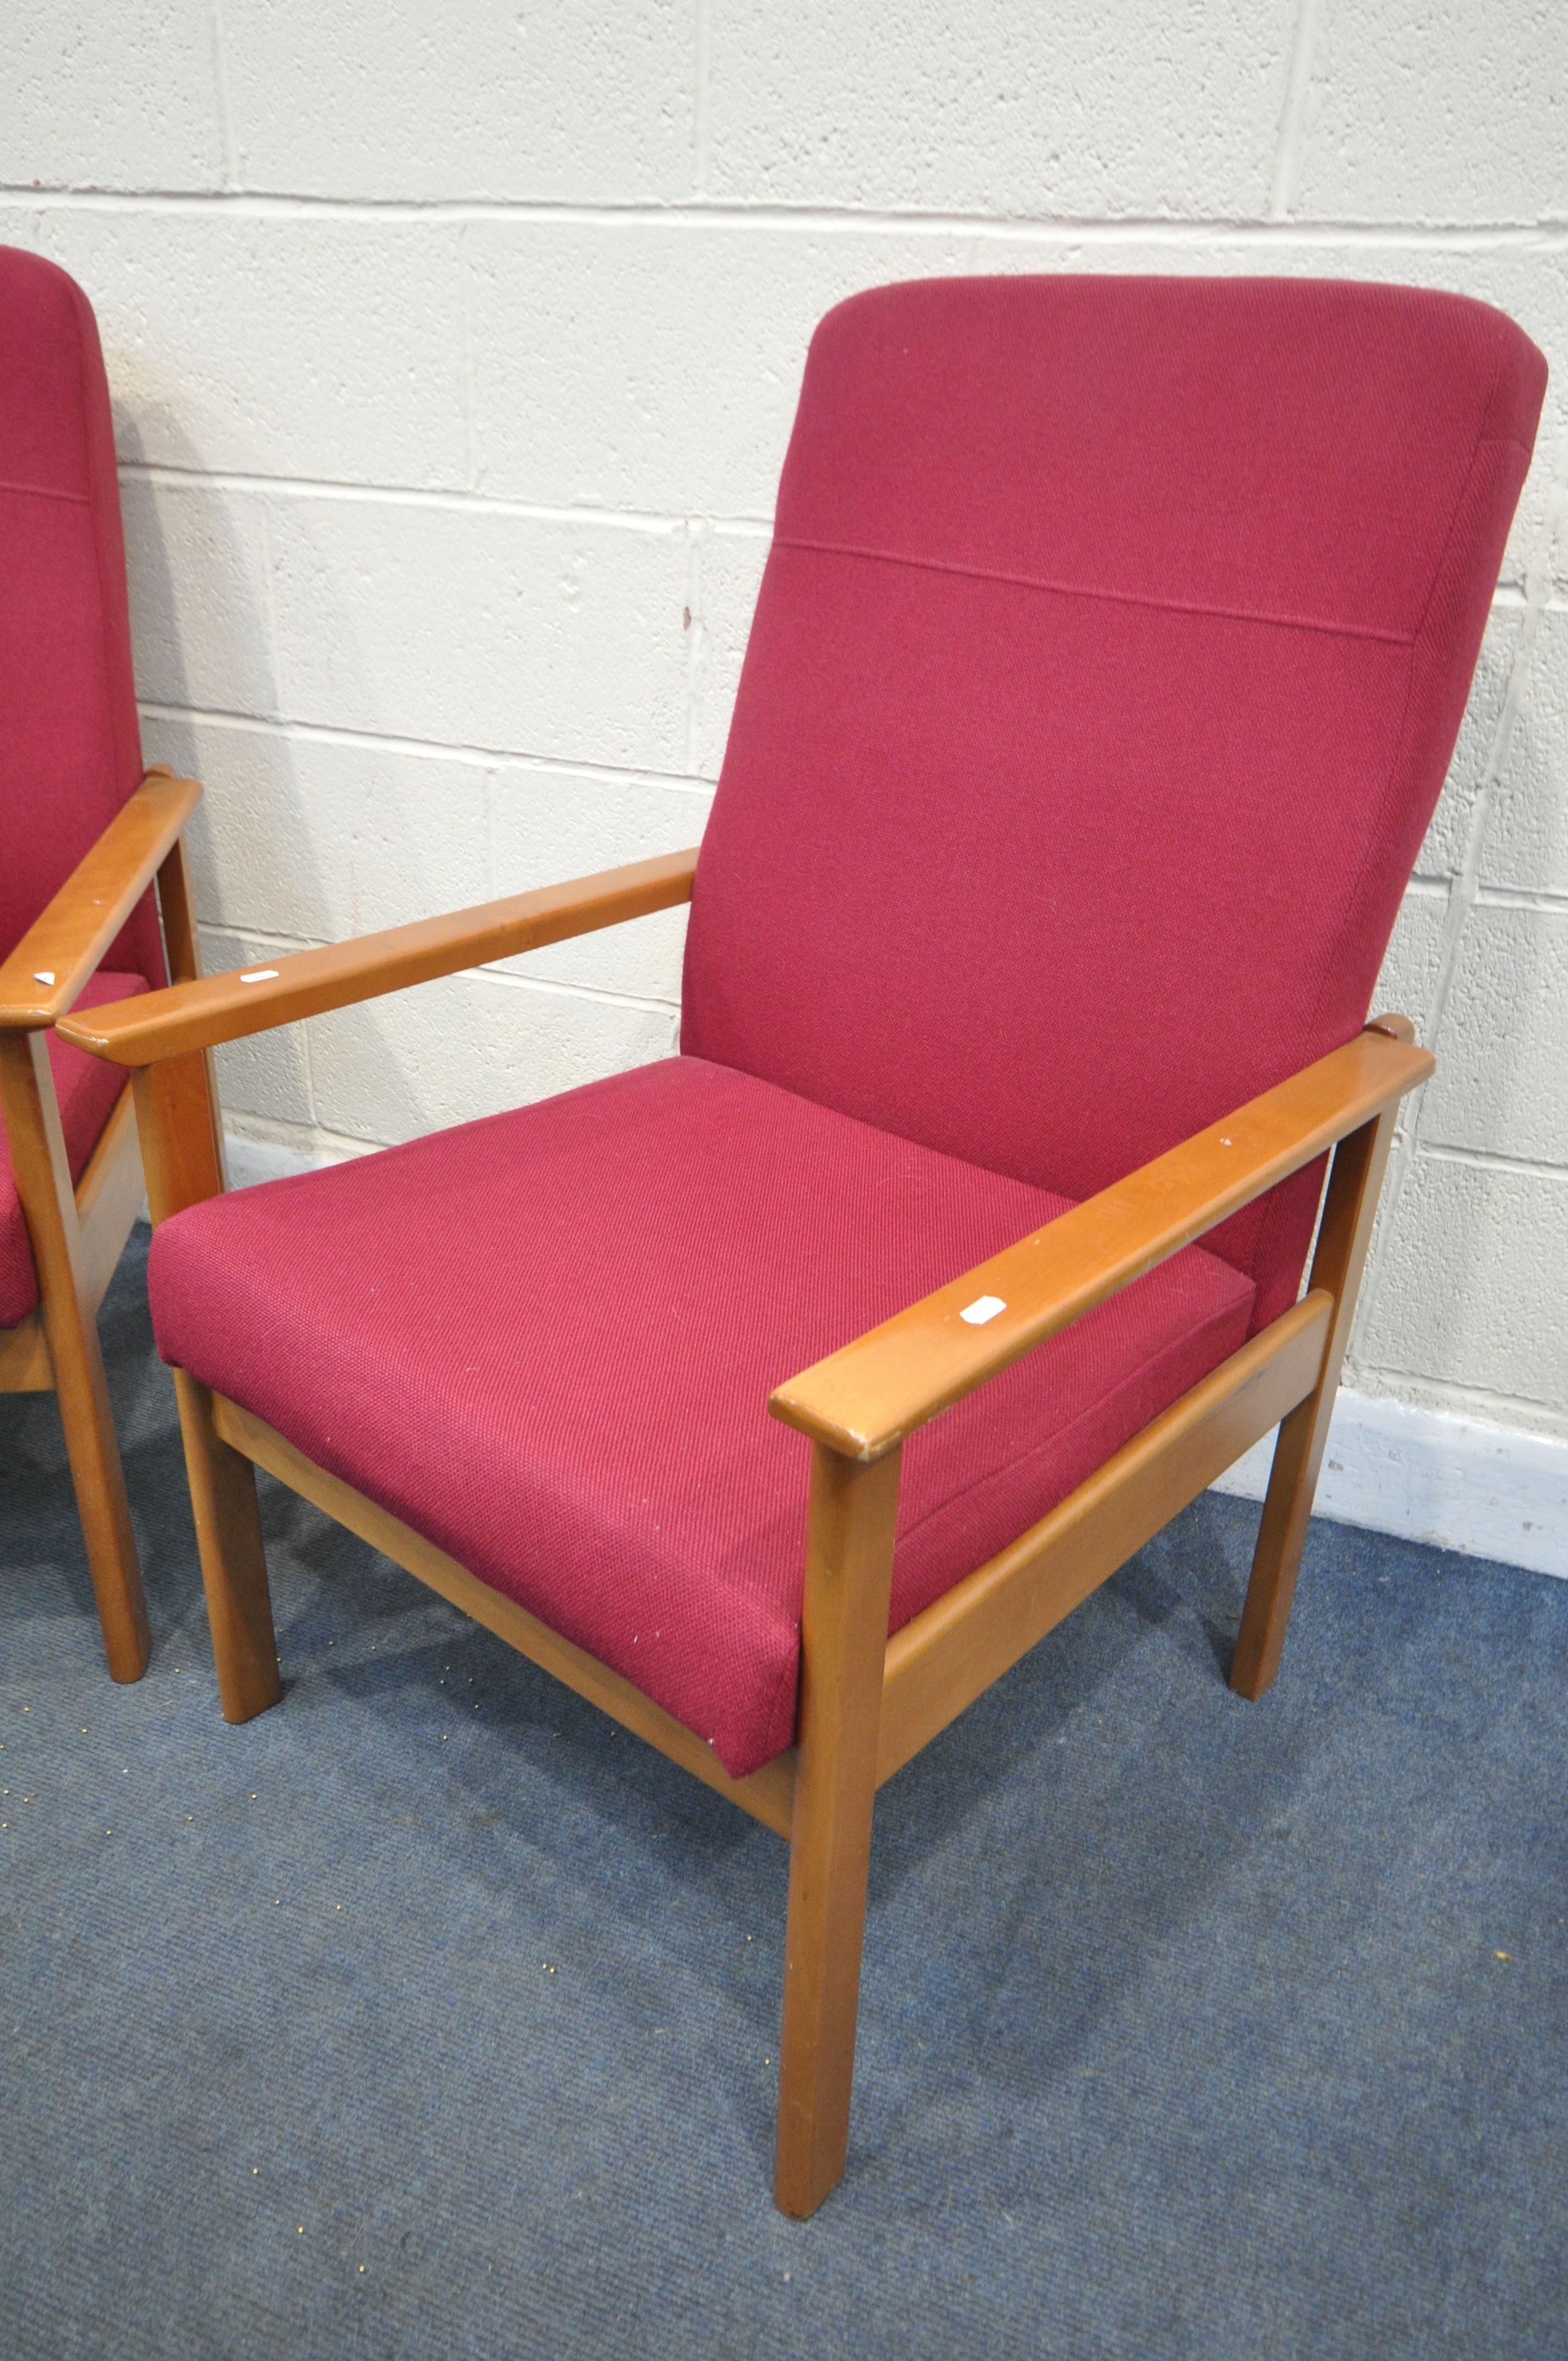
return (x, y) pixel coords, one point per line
(433, 2015)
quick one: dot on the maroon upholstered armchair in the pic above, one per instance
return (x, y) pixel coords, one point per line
(1109, 658)
(85, 835)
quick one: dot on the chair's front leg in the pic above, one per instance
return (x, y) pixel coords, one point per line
(849, 1574)
(176, 1118)
(1345, 1234)
(48, 1204)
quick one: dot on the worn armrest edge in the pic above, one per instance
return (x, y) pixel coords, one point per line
(67, 942)
(873, 1392)
(220, 1008)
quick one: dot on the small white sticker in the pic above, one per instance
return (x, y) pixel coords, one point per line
(43, 975)
(983, 1308)
(259, 975)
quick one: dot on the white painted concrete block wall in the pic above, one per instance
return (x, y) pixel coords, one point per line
(453, 350)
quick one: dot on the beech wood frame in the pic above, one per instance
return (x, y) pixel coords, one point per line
(867, 1702)
(78, 1231)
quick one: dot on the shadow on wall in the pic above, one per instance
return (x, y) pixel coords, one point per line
(202, 643)
(315, 837)
(1467, 1254)
(287, 825)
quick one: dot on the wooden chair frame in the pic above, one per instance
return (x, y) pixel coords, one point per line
(868, 1702)
(78, 1231)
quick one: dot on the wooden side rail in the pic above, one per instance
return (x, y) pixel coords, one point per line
(948, 1657)
(939, 1663)
(768, 1794)
(200, 1015)
(63, 947)
(869, 1395)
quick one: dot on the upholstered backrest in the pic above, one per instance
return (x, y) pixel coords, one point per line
(1110, 654)
(70, 750)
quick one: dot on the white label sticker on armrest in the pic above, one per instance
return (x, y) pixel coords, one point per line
(259, 975)
(43, 975)
(983, 1308)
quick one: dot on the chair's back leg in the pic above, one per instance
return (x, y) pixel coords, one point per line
(849, 1573)
(179, 1155)
(48, 1204)
(1350, 1208)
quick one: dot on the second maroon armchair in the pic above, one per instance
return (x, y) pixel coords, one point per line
(82, 837)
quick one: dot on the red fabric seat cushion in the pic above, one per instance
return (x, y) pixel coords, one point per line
(546, 1342)
(87, 1089)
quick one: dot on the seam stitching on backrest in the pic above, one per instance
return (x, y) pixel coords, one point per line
(45, 492)
(1086, 590)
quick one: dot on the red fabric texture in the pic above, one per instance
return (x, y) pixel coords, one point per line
(70, 744)
(546, 1341)
(1110, 656)
(86, 1089)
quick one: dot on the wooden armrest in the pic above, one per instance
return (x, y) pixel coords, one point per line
(157, 1025)
(66, 944)
(865, 1398)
